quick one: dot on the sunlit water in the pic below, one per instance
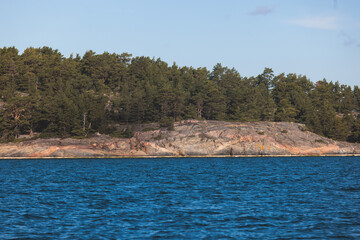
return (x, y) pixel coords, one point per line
(202, 198)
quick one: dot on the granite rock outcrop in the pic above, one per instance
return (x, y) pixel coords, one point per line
(191, 138)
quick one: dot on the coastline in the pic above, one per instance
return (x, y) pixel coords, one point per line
(195, 156)
(190, 139)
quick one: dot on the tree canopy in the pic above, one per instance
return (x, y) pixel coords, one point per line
(44, 92)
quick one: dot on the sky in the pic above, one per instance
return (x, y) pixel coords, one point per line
(319, 39)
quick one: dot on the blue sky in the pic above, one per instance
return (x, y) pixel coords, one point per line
(319, 39)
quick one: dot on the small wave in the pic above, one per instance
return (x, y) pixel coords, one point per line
(350, 189)
(32, 216)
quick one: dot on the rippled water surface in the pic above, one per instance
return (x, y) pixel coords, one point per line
(202, 198)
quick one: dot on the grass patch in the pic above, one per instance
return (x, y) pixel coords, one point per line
(149, 129)
(158, 137)
(303, 128)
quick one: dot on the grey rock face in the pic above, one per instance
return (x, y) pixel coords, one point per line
(192, 138)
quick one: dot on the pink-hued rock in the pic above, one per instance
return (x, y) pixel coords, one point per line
(191, 138)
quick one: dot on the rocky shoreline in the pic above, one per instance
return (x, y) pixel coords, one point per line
(191, 138)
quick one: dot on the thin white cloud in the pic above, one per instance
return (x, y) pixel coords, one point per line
(349, 40)
(262, 10)
(327, 23)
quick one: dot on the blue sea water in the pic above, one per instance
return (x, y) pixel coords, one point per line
(181, 198)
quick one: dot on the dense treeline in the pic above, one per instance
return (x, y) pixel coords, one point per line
(42, 91)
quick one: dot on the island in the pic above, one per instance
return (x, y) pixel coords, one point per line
(119, 105)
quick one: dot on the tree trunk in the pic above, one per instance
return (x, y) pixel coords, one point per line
(84, 121)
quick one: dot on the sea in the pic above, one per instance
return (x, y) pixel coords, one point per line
(181, 198)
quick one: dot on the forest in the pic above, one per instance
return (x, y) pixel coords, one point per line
(45, 94)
